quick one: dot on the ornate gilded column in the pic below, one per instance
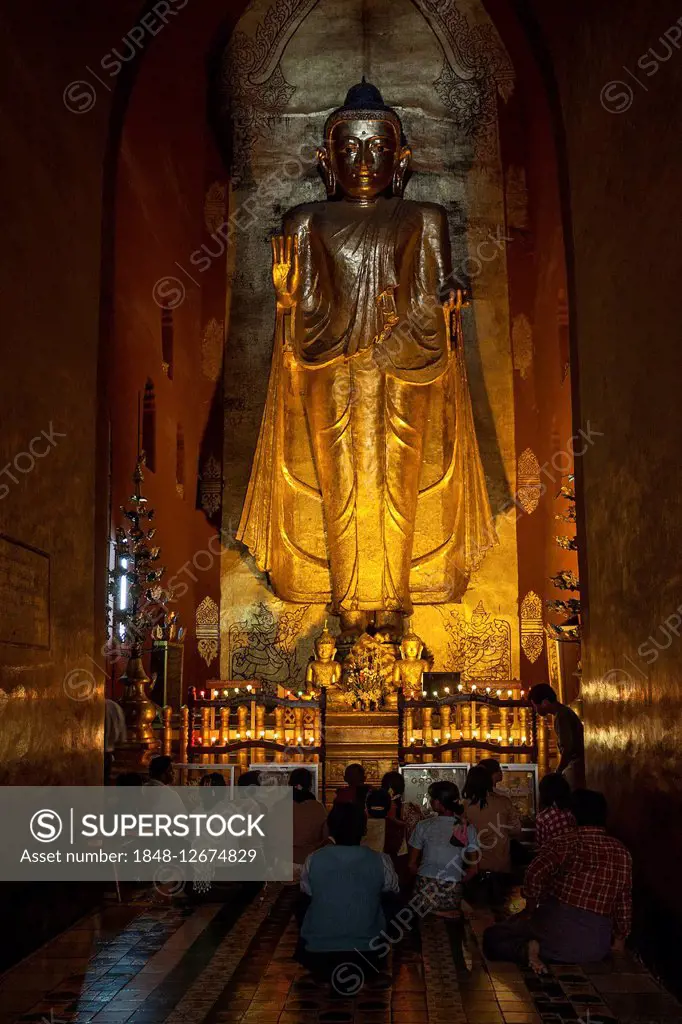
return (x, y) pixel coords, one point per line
(445, 736)
(543, 746)
(242, 727)
(167, 732)
(260, 731)
(467, 753)
(299, 735)
(427, 731)
(279, 731)
(484, 722)
(184, 739)
(224, 732)
(504, 733)
(524, 727)
(205, 733)
(409, 726)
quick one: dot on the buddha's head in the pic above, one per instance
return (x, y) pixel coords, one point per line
(411, 647)
(364, 152)
(325, 645)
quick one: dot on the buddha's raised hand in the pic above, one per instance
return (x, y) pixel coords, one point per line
(286, 275)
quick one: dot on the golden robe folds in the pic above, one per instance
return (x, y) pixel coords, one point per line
(367, 487)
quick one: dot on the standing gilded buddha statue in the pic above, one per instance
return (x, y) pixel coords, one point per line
(367, 490)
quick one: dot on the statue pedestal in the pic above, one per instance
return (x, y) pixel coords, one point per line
(367, 737)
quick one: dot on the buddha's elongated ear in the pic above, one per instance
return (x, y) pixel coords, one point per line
(401, 169)
(325, 165)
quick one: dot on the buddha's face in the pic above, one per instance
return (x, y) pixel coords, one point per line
(364, 156)
(325, 650)
(411, 649)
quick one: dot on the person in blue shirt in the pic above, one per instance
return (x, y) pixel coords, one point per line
(444, 852)
(345, 882)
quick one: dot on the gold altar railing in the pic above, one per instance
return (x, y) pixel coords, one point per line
(474, 721)
(248, 726)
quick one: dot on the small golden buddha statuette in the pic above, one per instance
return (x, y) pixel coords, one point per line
(409, 670)
(324, 670)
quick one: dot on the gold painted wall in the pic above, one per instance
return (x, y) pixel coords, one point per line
(626, 337)
(287, 67)
(52, 185)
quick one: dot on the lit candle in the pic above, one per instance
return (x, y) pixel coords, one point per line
(423, 693)
(236, 689)
(460, 687)
(261, 734)
(299, 739)
(473, 687)
(249, 688)
(226, 693)
(447, 689)
(499, 693)
(248, 734)
(275, 735)
(239, 735)
(435, 693)
(202, 693)
(487, 736)
(448, 736)
(300, 693)
(487, 689)
(474, 734)
(510, 693)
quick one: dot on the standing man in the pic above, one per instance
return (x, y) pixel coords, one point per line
(569, 734)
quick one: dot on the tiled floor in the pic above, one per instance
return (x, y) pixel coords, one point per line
(232, 963)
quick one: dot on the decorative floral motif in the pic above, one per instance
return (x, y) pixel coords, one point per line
(532, 628)
(529, 488)
(211, 486)
(208, 629)
(522, 344)
(212, 349)
(255, 90)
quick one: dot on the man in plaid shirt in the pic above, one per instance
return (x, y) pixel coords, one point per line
(578, 896)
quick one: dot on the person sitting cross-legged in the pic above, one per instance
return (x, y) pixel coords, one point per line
(578, 896)
(345, 882)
